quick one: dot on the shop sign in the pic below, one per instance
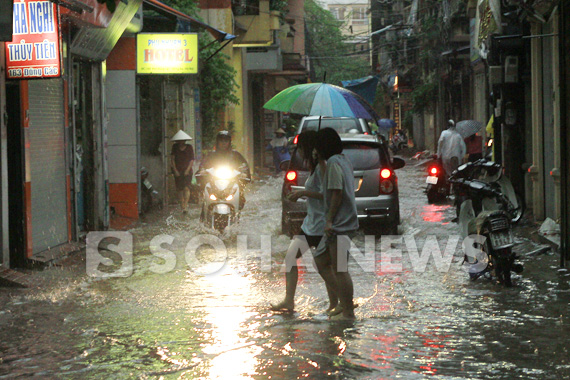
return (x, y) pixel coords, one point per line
(34, 49)
(167, 53)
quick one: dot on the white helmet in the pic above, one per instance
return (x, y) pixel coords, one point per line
(450, 123)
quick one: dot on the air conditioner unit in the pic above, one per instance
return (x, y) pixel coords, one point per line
(511, 69)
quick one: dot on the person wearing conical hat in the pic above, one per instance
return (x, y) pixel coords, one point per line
(279, 147)
(181, 161)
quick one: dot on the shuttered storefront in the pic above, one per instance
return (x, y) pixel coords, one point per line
(47, 164)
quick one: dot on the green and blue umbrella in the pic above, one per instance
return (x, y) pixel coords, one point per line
(321, 99)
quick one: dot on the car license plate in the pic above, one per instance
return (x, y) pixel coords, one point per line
(501, 239)
(431, 180)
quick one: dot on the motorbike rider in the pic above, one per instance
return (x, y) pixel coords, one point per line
(224, 155)
(451, 148)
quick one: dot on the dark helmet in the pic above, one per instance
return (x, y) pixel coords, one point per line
(224, 135)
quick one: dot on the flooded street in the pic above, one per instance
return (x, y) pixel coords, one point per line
(183, 325)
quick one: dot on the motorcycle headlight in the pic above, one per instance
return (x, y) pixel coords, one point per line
(229, 197)
(213, 197)
(223, 172)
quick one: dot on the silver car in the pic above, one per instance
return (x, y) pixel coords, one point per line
(375, 184)
(342, 125)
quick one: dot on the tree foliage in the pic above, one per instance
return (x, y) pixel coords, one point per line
(329, 50)
(217, 84)
(217, 89)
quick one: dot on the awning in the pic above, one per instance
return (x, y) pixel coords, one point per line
(169, 12)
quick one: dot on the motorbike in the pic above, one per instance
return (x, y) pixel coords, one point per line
(399, 142)
(438, 187)
(149, 196)
(487, 207)
(222, 196)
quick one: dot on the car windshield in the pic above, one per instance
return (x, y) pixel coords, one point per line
(340, 125)
(362, 156)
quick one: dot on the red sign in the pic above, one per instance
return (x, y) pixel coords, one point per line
(34, 51)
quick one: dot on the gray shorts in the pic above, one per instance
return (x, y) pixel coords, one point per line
(327, 240)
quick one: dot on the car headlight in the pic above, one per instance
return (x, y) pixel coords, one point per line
(223, 172)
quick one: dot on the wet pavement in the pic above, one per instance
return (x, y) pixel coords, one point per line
(183, 325)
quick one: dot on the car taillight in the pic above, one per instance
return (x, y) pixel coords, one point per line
(386, 186)
(386, 181)
(296, 139)
(291, 176)
(365, 133)
(433, 171)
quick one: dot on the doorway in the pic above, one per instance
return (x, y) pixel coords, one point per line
(16, 176)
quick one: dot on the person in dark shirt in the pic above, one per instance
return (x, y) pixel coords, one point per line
(181, 162)
(224, 155)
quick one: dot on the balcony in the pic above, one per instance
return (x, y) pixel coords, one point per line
(255, 23)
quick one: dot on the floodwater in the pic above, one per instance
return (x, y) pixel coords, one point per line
(185, 325)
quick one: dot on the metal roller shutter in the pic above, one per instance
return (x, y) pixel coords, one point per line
(47, 164)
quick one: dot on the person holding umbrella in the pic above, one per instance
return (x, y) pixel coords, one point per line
(474, 145)
(181, 162)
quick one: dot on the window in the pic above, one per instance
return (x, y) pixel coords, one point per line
(359, 16)
(245, 7)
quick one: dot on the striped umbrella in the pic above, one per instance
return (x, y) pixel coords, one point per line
(321, 99)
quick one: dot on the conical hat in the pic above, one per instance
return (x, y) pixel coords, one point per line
(181, 136)
(280, 130)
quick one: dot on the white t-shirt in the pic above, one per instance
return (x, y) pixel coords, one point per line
(340, 176)
(278, 142)
(314, 222)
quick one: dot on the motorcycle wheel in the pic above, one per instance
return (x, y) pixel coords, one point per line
(520, 211)
(221, 222)
(285, 228)
(432, 195)
(500, 267)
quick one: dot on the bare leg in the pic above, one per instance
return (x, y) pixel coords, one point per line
(343, 279)
(185, 198)
(291, 276)
(181, 199)
(325, 269)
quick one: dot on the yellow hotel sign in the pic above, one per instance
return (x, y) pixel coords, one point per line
(167, 53)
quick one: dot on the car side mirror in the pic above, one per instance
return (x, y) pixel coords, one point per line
(284, 165)
(398, 163)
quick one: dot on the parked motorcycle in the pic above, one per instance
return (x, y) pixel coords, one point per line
(222, 196)
(149, 196)
(487, 207)
(438, 187)
(399, 141)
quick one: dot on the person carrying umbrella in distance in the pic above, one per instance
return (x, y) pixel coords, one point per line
(313, 227)
(451, 148)
(468, 129)
(181, 162)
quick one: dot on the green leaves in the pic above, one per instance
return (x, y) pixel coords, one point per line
(217, 88)
(329, 50)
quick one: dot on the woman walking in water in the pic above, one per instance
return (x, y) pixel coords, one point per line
(312, 229)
